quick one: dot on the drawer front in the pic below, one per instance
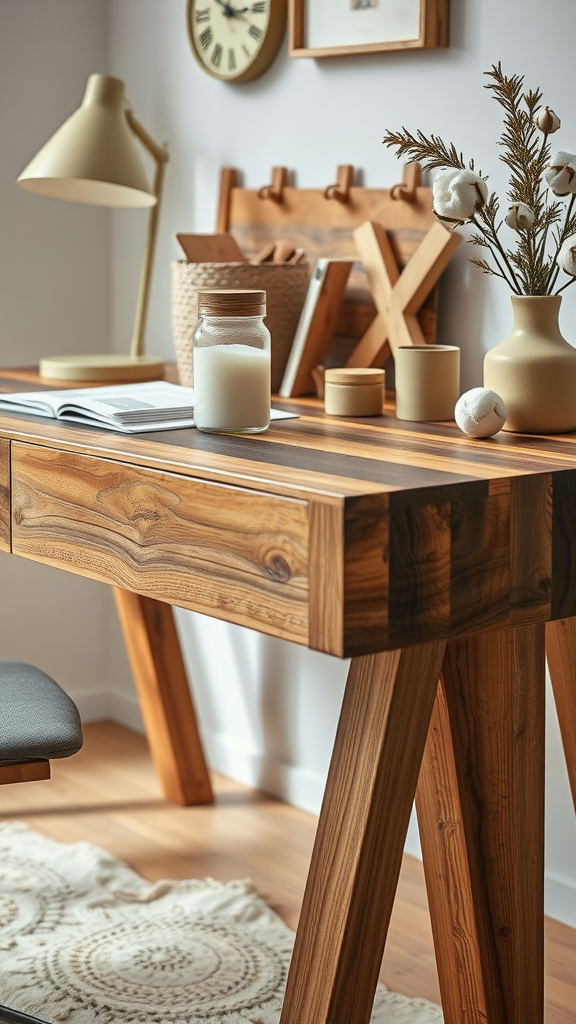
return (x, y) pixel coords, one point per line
(4, 495)
(237, 554)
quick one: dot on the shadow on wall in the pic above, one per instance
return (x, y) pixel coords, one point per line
(464, 310)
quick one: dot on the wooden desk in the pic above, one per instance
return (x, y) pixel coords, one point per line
(420, 554)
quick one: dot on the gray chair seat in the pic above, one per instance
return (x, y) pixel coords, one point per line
(38, 721)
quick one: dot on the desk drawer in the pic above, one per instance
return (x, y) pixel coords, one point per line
(4, 495)
(237, 554)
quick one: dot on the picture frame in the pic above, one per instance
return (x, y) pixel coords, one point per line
(336, 28)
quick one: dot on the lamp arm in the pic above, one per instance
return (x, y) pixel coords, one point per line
(161, 157)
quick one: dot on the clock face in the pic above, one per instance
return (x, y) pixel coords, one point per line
(235, 40)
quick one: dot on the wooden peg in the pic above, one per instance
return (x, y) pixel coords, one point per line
(275, 190)
(341, 190)
(406, 190)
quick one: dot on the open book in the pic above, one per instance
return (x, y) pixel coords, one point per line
(130, 408)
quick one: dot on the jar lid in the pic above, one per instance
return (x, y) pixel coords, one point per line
(354, 375)
(232, 302)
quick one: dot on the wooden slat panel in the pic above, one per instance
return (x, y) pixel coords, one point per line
(4, 495)
(480, 558)
(237, 554)
(530, 548)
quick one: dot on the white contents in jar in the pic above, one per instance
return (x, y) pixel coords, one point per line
(231, 388)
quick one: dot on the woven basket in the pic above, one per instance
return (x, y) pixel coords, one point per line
(285, 285)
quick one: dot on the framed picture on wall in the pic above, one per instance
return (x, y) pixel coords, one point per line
(333, 28)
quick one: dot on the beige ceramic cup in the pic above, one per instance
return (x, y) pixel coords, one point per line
(427, 381)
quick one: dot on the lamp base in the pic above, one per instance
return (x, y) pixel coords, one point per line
(105, 367)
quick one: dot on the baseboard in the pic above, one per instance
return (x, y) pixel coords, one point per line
(93, 705)
(560, 897)
(289, 783)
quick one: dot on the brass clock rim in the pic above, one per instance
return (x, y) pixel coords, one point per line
(266, 54)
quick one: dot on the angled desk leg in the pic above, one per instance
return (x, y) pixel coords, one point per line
(361, 832)
(561, 653)
(165, 700)
(480, 803)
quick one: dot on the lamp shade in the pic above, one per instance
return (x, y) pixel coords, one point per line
(93, 157)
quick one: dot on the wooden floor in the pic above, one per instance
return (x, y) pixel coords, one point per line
(108, 794)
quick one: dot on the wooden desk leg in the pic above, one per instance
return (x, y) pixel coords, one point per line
(165, 700)
(561, 653)
(480, 807)
(361, 832)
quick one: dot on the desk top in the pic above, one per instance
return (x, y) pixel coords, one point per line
(388, 532)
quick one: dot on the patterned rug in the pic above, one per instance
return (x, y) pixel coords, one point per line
(83, 939)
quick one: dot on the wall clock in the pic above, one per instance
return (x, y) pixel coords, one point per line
(236, 40)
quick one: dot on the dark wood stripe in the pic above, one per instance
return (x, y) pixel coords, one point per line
(4, 495)
(563, 544)
(480, 575)
(530, 548)
(419, 601)
(366, 571)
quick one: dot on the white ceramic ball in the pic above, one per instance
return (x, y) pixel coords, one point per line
(480, 412)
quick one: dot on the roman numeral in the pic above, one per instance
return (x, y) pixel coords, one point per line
(231, 59)
(202, 15)
(216, 56)
(259, 8)
(246, 51)
(255, 32)
(205, 38)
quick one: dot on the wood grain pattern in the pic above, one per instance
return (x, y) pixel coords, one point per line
(165, 699)
(494, 687)
(326, 582)
(561, 654)
(366, 573)
(348, 898)
(469, 981)
(419, 587)
(476, 531)
(237, 555)
(4, 495)
(28, 771)
(563, 567)
(480, 559)
(530, 548)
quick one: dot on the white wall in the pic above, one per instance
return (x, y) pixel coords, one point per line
(54, 297)
(269, 709)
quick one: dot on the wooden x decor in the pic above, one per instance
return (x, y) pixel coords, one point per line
(398, 295)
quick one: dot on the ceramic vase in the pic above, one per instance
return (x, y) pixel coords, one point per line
(534, 370)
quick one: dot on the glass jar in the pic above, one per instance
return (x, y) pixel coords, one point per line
(231, 356)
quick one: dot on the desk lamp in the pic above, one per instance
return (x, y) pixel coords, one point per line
(93, 159)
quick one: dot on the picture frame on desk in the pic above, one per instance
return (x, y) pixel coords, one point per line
(325, 28)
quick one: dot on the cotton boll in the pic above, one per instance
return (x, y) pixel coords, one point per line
(480, 412)
(561, 174)
(567, 256)
(519, 217)
(546, 120)
(458, 195)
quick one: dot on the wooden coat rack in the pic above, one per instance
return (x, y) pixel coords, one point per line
(380, 230)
